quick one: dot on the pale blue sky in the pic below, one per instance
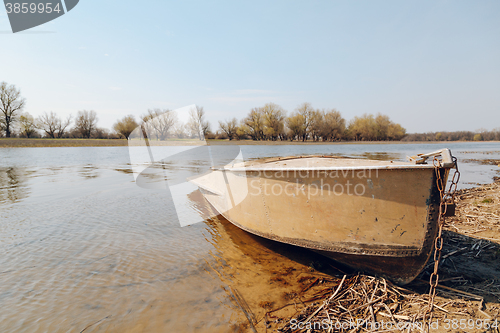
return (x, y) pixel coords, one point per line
(429, 65)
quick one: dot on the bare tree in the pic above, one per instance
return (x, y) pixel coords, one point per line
(495, 134)
(27, 125)
(63, 125)
(48, 123)
(86, 123)
(101, 133)
(11, 103)
(180, 130)
(52, 125)
(159, 122)
(125, 126)
(229, 127)
(197, 124)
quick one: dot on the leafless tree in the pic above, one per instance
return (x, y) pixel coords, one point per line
(159, 122)
(197, 124)
(52, 125)
(86, 123)
(27, 125)
(229, 127)
(125, 126)
(63, 125)
(180, 130)
(48, 123)
(101, 133)
(11, 103)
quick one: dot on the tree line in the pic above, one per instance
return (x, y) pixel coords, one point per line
(155, 124)
(479, 135)
(163, 124)
(268, 122)
(271, 122)
(158, 124)
(15, 122)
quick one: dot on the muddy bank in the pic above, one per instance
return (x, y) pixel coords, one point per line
(468, 292)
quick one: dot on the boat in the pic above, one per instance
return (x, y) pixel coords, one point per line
(378, 217)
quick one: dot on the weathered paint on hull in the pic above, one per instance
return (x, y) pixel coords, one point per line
(383, 222)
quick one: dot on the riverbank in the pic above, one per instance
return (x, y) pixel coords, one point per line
(295, 143)
(27, 143)
(468, 292)
(45, 142)
(288, 142)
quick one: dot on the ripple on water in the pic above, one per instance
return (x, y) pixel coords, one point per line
(81, 245)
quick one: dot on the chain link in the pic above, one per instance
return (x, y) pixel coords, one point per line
(445, 199)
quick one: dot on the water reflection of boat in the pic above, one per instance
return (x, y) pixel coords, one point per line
(375, 216)
(257, 274)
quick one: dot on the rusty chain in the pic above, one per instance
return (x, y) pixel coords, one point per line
(445, 199)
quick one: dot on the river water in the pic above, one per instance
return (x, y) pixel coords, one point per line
(83, 248)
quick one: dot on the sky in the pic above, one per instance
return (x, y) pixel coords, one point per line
(428, 65)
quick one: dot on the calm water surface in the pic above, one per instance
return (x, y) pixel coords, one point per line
(83, 248)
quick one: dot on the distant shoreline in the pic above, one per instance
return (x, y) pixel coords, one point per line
(44, 142)
(285, 143)
(41, 143)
